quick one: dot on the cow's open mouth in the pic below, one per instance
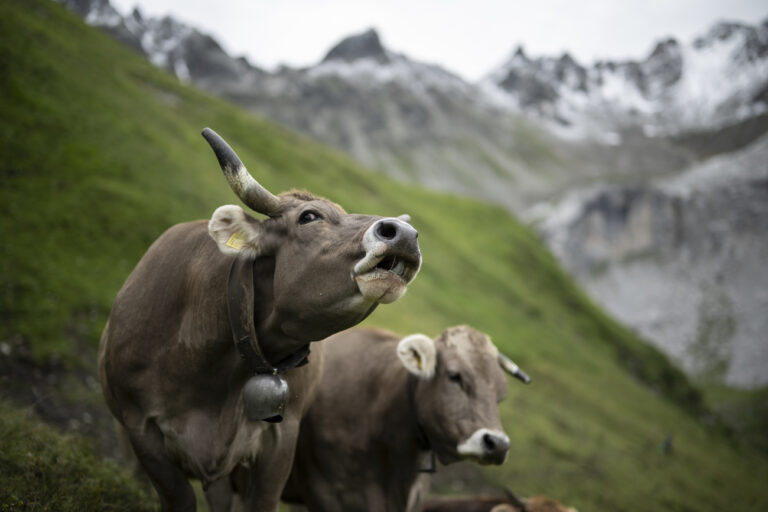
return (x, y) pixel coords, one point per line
(384, 278)
(392, 264)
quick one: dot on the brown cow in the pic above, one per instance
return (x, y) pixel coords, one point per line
(385, 404)
(213, 303)
(510, 503)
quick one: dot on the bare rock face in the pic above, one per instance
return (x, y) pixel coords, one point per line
(681, 260)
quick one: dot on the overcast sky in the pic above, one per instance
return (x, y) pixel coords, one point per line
(469, 37)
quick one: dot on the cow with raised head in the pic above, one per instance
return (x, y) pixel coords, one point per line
(209, 334)
(386, 405)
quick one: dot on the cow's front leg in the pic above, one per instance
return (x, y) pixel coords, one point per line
(171, 484)
(268, 475)
(219, 495)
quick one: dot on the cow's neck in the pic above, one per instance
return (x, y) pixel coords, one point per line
(267, 339)
(404, 445)
(283, 352)
(282, 333)
(426, 463)
(276, 345)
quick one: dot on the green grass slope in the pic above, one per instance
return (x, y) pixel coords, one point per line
(42, 470)
(101, 153)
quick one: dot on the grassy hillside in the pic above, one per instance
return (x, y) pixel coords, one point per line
(44, 471)
(101, 152)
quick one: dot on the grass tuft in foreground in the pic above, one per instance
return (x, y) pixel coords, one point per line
(43, 470)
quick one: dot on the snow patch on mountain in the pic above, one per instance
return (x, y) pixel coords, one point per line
(163, 41)
(371, 65)
(716, 79)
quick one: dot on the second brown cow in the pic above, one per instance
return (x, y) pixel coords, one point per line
(385, 404)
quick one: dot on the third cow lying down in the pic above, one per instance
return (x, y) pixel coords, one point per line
(385, 403)
(510, 503)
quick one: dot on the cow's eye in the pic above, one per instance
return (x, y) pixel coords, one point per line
(309, 216)
(456, 378)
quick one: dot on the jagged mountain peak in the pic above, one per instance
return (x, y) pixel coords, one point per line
(366, 45)
(364, 63)
(519, 53)
(663, 67)
(520, 57)
(137, 15)
(95, 12)
(747, 43)
(567, 60)
(714, 80)
(532, 80)
(665, 47)
(722, 31)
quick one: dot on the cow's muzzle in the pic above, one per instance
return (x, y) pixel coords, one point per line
(392, 260)
(485, 446)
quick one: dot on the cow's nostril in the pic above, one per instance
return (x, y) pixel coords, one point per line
(386, 230)
(489, 442)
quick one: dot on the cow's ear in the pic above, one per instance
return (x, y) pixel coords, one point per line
(236, 232)
(418, 354)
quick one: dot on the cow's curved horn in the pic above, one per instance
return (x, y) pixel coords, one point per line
(243, 184)
(511, 368)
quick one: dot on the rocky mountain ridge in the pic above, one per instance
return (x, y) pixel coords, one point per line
(533, 130)
(719, 78)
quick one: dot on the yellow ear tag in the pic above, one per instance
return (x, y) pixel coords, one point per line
(236, 241)
(418, 358)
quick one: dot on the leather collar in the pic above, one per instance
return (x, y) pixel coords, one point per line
(240, 307)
